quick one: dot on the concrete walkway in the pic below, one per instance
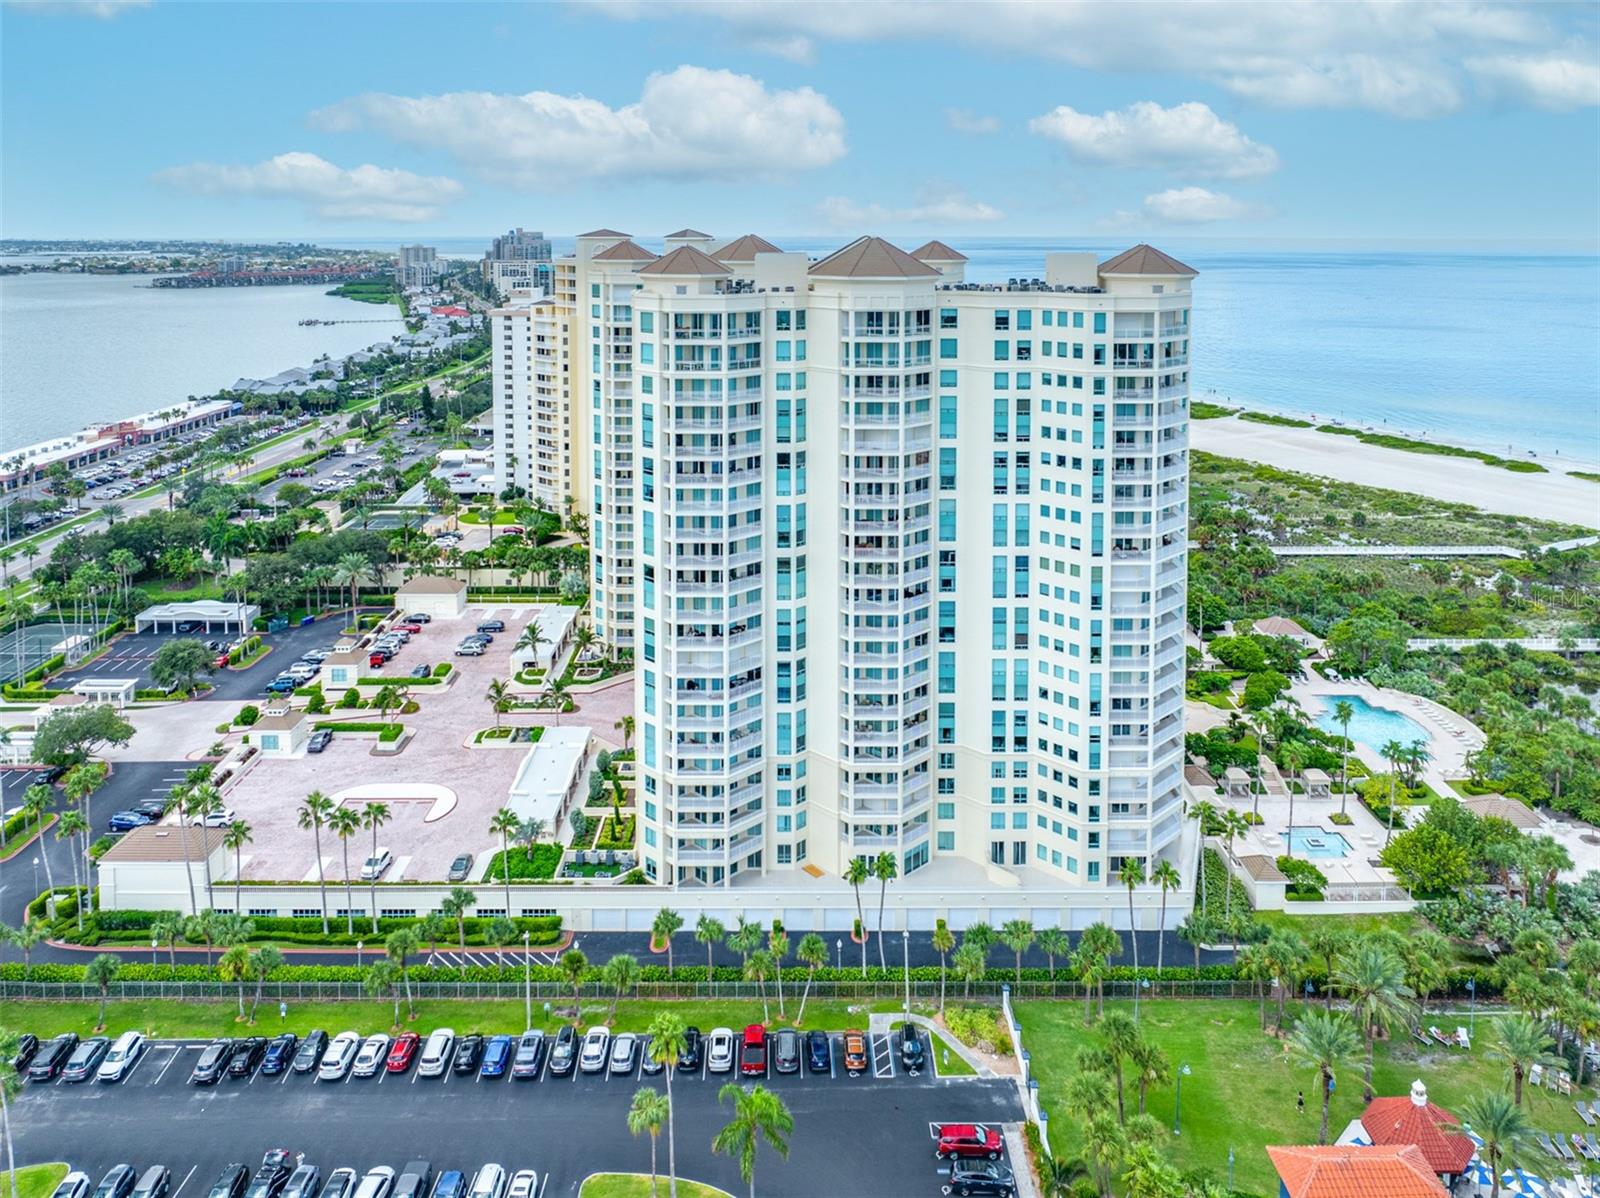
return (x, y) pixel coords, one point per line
(882, 1024)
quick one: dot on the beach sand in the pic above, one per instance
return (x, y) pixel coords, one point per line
(1552, 496)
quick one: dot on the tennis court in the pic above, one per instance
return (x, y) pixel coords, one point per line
(24, 648)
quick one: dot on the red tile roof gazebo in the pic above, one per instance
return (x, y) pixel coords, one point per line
(1412, 1119)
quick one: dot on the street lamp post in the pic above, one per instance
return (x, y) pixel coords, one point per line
(1138, 985)
(527, 982)
(154, 944)
(1472, 1006)
(1177, 1103)
(359, 947)
(838, 953)
(905, 943)
(36, 875)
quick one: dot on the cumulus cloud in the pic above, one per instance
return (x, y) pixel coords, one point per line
(1189, 139)
(935, 204)
(328, 191)
(1197, 205)
(964, 120)
(1552, 81)
(103, 10)
(1402, 59)
(689, 124)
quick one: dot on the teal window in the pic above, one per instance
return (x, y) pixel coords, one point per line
(1099, 322)
(947, 842)
(647, 322)
(1002, 351)
(947, 347)
(947, 416)
(947, 811)
(947, 378)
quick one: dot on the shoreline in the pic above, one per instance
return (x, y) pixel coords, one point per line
(1555, 495)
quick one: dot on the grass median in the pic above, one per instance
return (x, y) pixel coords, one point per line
(38, 1181)
(637, 1185)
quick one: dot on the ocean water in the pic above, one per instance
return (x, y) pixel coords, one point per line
(1491, 350)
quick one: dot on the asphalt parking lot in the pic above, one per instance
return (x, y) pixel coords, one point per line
(853, 1136)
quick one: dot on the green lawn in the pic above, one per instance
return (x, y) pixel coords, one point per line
(38, 1181)
(637, 1185)
(952, 1066)
(1241, 1089)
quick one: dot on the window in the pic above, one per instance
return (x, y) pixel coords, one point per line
(947, 318)
(1002, 351)
(947, 347)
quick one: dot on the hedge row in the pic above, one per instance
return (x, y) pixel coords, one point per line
(133, 927)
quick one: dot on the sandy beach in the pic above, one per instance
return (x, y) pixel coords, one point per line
(1552, 496)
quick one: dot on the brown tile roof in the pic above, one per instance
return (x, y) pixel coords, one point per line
(686, 260)
(1262, 869)
(164, 842)
(1278, 626)
(624, 251)
(432, 584)
(1145, 260)
(686, 233)
(872, 258)
(285, 720)
(1412, 1119)
(1354, 1171)
(602, 233)
(744, 249)
(1500, 807)
(938, 251)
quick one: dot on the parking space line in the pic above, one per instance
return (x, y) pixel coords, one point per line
(185, 1181)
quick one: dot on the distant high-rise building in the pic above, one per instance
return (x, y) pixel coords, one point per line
(518, 245)
(516, 261)
(416, 266)
(900, 558)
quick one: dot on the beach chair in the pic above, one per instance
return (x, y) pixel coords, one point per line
(1441, 1037)
(1536, 1076)
(1421, 1037)
(1463, 1039)
(1593, 1146)
(1544, 1142)
(1566, 1149)
(1584, 1113)
(1563, 1085)
(1583, 1149)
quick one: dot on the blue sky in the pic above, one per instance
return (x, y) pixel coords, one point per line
(1455, 122)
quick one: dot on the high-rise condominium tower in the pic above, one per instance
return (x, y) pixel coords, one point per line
(901, 559)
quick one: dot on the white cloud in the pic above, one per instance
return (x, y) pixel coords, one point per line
(935, 204)
(1404, 59)
(1197, 205)
(1552, 81)
(688, 124)
(328, 191)
(964, 120)
(103, 10)
(1187, 138)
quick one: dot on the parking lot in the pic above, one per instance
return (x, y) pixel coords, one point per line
(863, 1135)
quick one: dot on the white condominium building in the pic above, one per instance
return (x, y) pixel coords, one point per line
(532, 410)
(416, 266)
(901, 558)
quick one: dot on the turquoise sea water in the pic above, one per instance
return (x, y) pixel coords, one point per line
(1371, 726)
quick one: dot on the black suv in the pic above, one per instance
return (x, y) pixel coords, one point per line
(230, 1182)
(988, 1178)
(246, 1056)
(912, 1054)
(27, 1045)
(693, 1046)
(564, 1053)
(310, 1053)
(469, 1053)
(51, 1057)
(491, 626)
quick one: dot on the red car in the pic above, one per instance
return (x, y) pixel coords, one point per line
(969, 1140)
(411, 628)
(753, 1053)
(405, 1047)
(376, 660)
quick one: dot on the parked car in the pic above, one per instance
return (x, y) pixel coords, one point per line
(421, 672)
(247, 1054)
(967, 1140)
(213, 1063)
(154, 1182)
(220, 818)
(592, 1058)
(320, 740)
(375, 866)
(786, 1051)
(409, 627)
(624, 1053)
(304, 1182)
(375, 660)
(524, 1184)
(719, 1050)
(419, 617)
(377, 1183)
(564, 1052)
(154, 808)
(230, 1182)
(982, 1177)
(530, 1054)
(280, 1052)
(491, 625)
(340, 1054)
(647, 1063)
(496, 1057)
(27, 1046)
(401, 1052)
(117, 1183)
(693, 1050)
(436, 1052)
(452, 1183)
(73, 1185)
(469, 649)
(855, 1052)
(469, 1053)
(127, 821)
(489, 1182)
(912, 1054)
(85, 1059)
(374, 1049)
(309, 1055)
(753, 1051)
(460, 868)
(819, 1052)
(341, 1183)
(413, 1180)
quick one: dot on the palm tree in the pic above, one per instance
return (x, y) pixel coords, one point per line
(505, 825)
(856, 874)
(1393, 752)
(758, 1114)
(1327, 941)
(498, 696)
(1121, 1034)
(312, 813)
(969, 964)
(165, 929)
(347, 571)
(346, 822)
(1322, 1039)
(1018, 935)
(204, 800)
(455, 906)
(1233, 824)
(500, 932)
(234, 966)
(27, 938)
(648, 1112)
(1344, 711)
(667, 923)
(667, 1042)
(532, 637)
(944, 940)
(373, 817)
(266, 959)
(778, 949)
(557, 690)
(1132, 877)
(1521, 1042)
(1373, 979)
(235, 837)
(1502, 1125)
(1102, 943)
(812, 952)
(709, 932)
(10, 1087)
(574, 964)
(1286, 953)
(382, 980)
(886, 868)
(100, 972)
(1294, 759)
(72, 823)
(1166, 876)
(399, 946)
(625, 725)
(621, 974)
(1150, 1067)
(1053, 943)
(758, 968)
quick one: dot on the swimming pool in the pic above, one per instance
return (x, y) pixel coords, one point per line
(1372, 726)
(1314, 842)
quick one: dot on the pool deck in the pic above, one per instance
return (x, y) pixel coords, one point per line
(1450, 736)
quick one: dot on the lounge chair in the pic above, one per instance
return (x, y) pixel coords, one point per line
(1536, 1076)
(1463, 1039)
(1421, 1037)
(1447, 1041)
(1582, 1148)
(1584, 1113)
(1544, 1142)
(1593, 1145)
(1566, 1151)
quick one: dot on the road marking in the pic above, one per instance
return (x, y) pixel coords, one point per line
(134, 1068)
(176, 1053)
(185, 1181)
